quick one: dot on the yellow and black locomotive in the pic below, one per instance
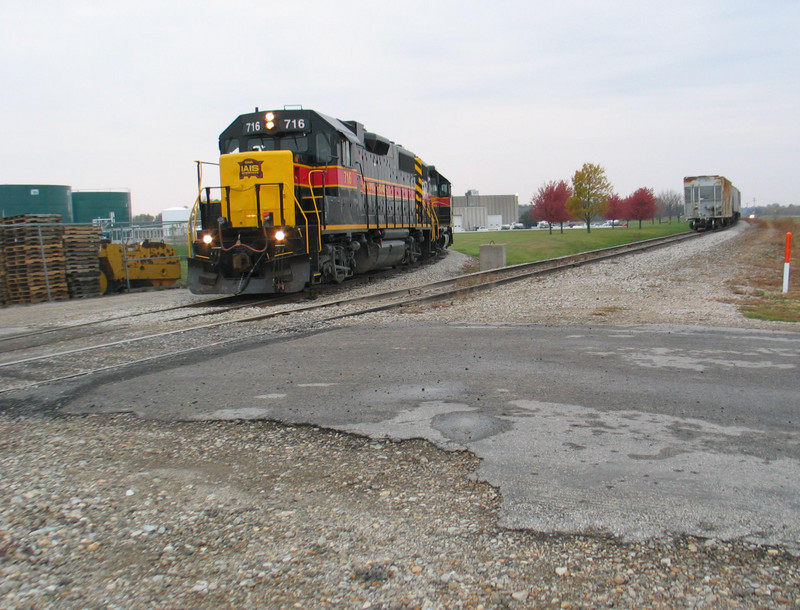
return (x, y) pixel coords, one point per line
(306, 198)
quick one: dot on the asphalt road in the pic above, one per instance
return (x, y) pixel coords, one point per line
(636, 431)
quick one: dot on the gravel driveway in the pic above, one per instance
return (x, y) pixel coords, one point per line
(117, 512)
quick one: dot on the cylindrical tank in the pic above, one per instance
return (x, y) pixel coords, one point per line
(90, 205)
(387, 253)
(16, 199)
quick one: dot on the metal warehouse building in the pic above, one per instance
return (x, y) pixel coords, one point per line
(474, 210)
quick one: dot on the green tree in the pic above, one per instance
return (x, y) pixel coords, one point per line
(526, 216)
(590, 192)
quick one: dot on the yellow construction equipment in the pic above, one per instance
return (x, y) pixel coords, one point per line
(136, 265)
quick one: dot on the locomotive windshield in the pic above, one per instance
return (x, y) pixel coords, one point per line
(295, 143)
(308, 148)
(298, 144)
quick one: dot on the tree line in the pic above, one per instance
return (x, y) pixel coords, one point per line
(774, 209)
(146, 218)
(591, 196)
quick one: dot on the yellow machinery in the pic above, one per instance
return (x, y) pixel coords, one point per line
(136, 265)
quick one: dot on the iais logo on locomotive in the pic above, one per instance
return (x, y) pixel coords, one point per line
(250, 168)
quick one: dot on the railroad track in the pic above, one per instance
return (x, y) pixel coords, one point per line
(78, 352)
(115, 325)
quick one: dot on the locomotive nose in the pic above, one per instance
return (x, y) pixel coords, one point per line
(241, 262)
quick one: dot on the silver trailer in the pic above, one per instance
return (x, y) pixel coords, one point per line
(711, 202)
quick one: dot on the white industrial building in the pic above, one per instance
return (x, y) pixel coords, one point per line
(175, 221)
(474, 210)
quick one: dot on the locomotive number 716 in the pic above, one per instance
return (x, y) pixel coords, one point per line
(288, 125)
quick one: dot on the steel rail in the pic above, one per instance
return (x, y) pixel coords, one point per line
(46, 331)
(237, 302)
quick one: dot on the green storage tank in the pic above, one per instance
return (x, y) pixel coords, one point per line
(17, 199)
(89, 205)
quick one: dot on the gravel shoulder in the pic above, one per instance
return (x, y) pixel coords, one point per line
(688, 284)
(117, 512)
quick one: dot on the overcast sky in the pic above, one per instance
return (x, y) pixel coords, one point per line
(502, 96)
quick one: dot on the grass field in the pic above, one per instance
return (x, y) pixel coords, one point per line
(759, 281)
(539, 244)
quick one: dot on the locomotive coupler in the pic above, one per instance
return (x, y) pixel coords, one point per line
(241, 262)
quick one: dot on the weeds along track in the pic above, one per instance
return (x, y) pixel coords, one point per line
(32, 359)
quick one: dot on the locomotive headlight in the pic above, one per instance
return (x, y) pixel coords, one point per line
(269, 120)
(208, 238)
(280, 235)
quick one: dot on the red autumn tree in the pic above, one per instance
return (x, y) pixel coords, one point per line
(617, 209)
(642, 205)
(550, 203)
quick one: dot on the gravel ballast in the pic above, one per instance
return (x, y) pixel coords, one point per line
(123, 513)
(119, 512)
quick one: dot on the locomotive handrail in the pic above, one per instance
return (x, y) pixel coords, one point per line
(308, 224)
(321, 218)
(434, 220)
(366, 191)
(227, 199)
(419, 199)
(192, 223)
(435, 224)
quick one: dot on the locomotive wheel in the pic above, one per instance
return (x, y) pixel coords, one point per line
(339, 273)
(339, 266)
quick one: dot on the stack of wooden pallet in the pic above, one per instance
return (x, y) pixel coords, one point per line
(81, 247)
(33, 263)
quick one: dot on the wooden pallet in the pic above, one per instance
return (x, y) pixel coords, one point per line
(31, 219)
(31, 243)
(81, 248)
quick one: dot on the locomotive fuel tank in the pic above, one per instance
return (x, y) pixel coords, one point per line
(376, 255)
